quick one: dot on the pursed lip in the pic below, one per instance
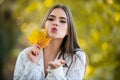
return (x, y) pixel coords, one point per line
(53, 29)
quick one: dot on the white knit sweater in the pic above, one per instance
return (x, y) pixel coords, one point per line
(26, 70)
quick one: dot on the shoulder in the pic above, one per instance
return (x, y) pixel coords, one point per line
(80, 55)
(24, 51)
(23, 54)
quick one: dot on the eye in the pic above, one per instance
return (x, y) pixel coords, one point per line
(50, 19)
(62, 21)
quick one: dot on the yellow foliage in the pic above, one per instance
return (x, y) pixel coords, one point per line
(104, 46)
(95, 35)
(48, 3)
(83, 43)
(34, 6)
(117, 16)
(89, 71)
(110, 1)
(24, 27)
(39, 37)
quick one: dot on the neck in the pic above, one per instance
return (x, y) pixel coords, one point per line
(53, 48)
(51, 51)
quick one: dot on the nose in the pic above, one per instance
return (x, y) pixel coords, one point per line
(55, 23)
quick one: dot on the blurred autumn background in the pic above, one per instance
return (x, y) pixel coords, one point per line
(98, 29)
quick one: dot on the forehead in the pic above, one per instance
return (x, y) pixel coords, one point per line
(58, 12)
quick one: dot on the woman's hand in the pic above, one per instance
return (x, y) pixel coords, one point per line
(57, 63)
(34, 53)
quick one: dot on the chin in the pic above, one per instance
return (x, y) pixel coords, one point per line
(56, 36)
(53, 37)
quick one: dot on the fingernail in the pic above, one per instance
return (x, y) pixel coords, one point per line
(63, 61)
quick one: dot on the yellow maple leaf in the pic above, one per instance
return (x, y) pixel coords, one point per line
(39, 37)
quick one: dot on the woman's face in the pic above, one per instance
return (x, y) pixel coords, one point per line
(56, 24)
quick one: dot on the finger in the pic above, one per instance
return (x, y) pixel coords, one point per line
(31, 51)
(35, 50)
(51, 65)
(59, 63)
(55, 64)
(38, 50)
(37, 45)
(62, 61)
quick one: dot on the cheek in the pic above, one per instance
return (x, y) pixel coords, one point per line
(47, 26)
(47, 29)
(64, 30)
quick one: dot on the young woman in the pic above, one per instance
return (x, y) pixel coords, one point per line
(62, 59)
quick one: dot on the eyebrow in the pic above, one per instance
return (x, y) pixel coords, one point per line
(55, 16)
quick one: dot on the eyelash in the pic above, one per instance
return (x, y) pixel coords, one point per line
(51, 19)
(63, 21)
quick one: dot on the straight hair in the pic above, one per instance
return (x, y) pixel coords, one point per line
(69, 44)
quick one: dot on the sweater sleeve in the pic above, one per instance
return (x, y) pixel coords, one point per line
(76, 71)
(56, 74)
(26, 70)
(78, 67)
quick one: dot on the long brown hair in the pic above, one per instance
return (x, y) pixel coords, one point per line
(70, 43)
